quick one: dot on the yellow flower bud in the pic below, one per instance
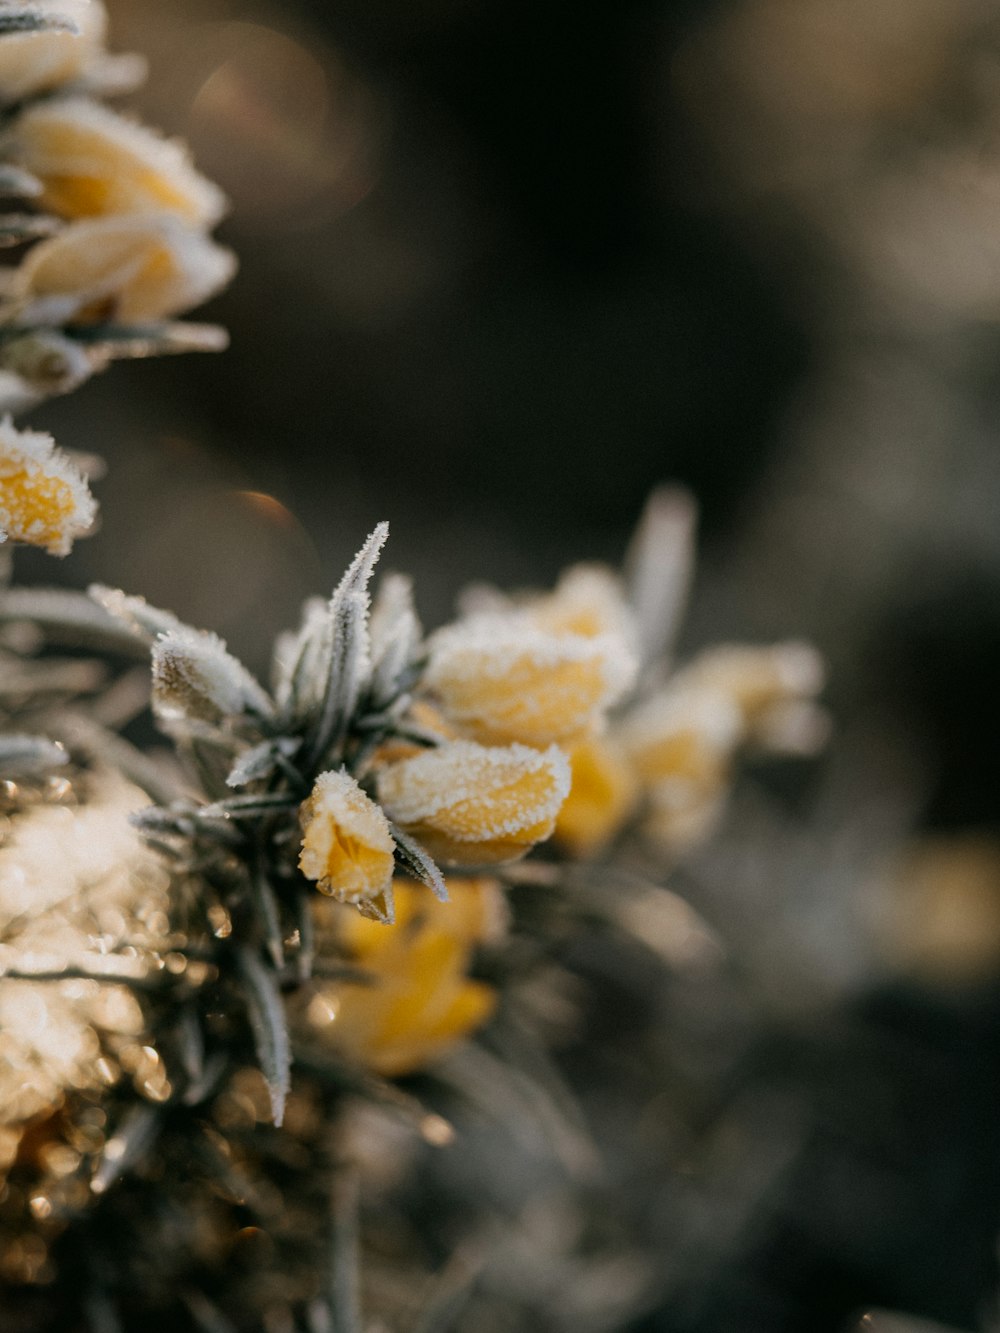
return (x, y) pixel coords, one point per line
(346, 844)
(44, 500)
(470, 805)
(602, 795)
(500, 680)
(420, 1001)
(129, 270)
(93, 162)
(37, 62)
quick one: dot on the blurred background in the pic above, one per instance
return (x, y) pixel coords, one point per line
(506, 267)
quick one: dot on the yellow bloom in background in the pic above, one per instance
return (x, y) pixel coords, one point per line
(38, 62)
(346, 844)
(421, 1001)
(93, 162)
(681, 745)
(472, 805)
(588, 600)
(774, 686)
(124, 269)
(500, 680)
(602, 796)
(44, 499)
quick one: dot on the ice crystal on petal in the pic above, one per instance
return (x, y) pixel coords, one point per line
(473, 805)
(589, 600)
(44, 500)
(500, 679)
(347, 848)
(93, 162)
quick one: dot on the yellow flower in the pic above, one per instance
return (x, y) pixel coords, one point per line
(93, 162)
(37, 62)
(602, 795)
(421, 1001)
(587, 600)
(44, 500)
(681, 745)
(346, 844)
(773, 686)
(470, 805)
(125, 269)
(499, 680)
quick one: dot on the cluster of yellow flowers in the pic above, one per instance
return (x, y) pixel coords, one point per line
(535, 724)
(121, 231)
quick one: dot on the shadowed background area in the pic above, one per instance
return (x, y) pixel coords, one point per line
(504, 269)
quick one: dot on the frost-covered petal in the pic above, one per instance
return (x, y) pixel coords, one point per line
(470, 804)
(683, 736)
(500, 679)
(93, 162)
(123, 269)
(347, 848)
(196, 679)
(44, 499)
(37, 62)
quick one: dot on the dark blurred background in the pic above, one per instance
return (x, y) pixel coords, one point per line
(505, 267)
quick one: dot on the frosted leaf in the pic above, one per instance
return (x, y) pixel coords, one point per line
(196, 679)
(395, 637)
(659, 566)
(143, 620)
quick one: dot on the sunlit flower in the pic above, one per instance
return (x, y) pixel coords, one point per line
(44, 499)
(602, 795)
(93, 162)
(38, 62)
(500, 679)
(346, 844)
(420, 1001)
(121, 269)
(473, 805)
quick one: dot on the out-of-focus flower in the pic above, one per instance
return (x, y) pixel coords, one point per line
(941, 921)
(38, 62)
(499, 679)
(196, 679)
(681, 743)
(774, 687)
(44, 499)
(347, 847)
(420, 1001)
(121, 269)
(588, 600)
(602, 796)
(473, 805)
(93, 162)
